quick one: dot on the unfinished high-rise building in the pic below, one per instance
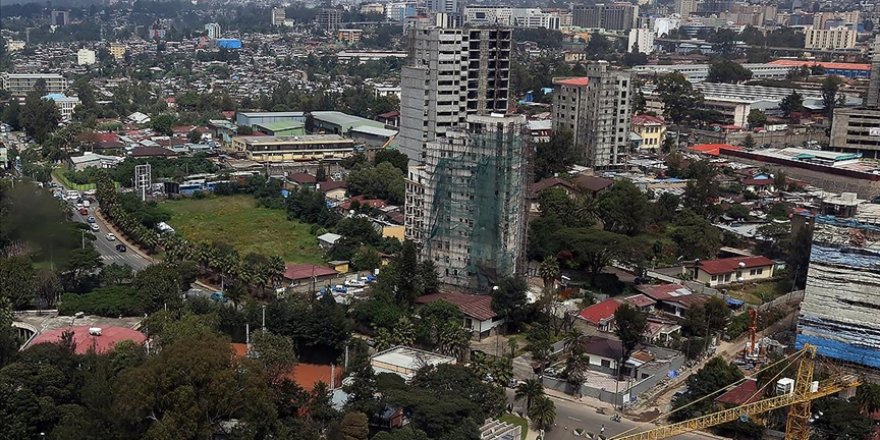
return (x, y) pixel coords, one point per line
(595, 109)
(466, 205)
(451, 73)
(840, 313)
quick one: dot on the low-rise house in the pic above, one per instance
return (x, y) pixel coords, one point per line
(333, 189)
(601, 315)
(300, 273)
(641, 301)
(546, 184)
(150, 152)
(327, 240)
(673, 299)
(650, 129)
(301, 180)
(479, 317)
(89, 160)
(592, 186)
(732, 270)
(406, 361)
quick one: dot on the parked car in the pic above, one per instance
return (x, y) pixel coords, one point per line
(110, 237)
(83, 211)
(354, 282)
(79, 206)
(91, 219)
(94, 227)
(120, 248)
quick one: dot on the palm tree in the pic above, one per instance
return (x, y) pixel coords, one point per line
(275, 270)
(404, 331)
(530, 389)
(453, 339)
(549, 270)
(575, 366)
(572, 337)
(543, 414)
(502, 370)
(868, 398)
(480, 364)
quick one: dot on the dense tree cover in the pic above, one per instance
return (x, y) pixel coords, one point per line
(394, 157)
(384, 181)
(757, 118)
(694, 236)
(715, 375)
(38, 117)
(555, 156)
(509, 301)
(679, 97)
(545, 38)
(793, 103)
(630, 325)
(726, 71)
(830, 98)
(623, 209)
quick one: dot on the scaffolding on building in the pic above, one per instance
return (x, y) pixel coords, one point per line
(477, 218)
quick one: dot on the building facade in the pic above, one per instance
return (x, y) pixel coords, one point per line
(213, 30)
(118, 51)
(278, 16)
(613, 17)
(856, 130)
(293, 148)
(85, 57)
(826, 39)
(349, 36)
(839, 312)
(640, 40)
(66, 104)
(19, 84)
(651, 131)
(452, 73)
(328, 19)
(596, 110)
(685, 8)
(466, 204)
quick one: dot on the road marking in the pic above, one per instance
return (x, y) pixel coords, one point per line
(575, 419)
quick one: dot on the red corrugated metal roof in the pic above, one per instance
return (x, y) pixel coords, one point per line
(573, 81)
(663, 292)
(728, 265)
(598, 314)
(295, 272)
(741, 394)
(474, 306)
(714, 149)
(647, 119)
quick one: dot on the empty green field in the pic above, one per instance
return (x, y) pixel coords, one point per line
(238, 220)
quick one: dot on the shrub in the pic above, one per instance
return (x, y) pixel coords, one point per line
(109, 301)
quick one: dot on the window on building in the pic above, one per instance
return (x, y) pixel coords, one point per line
(606, 363)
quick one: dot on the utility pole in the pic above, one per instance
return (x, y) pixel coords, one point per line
(264, 317)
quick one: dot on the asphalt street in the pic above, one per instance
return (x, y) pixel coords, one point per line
(573, 415)
(107, 248)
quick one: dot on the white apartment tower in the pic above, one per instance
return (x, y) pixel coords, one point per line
(85, 57)
(213, 30)
(596, 110)
(452, 73)
(278, 16)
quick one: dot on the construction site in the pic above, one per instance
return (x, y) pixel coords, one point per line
(472, 191)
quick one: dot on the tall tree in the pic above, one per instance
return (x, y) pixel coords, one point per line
(630, 325)
(830, 86)
(275, 353)
(543, 413)
(791, 104)
(509, 300)
(623, 209)
(354, 426)
(555, 156)
(529, 390)
(39, 117)
(679, 97)
(726, 71)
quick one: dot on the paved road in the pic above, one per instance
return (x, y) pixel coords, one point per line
(573, 415)
(107, 248)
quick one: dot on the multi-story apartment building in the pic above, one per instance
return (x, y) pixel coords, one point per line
(19, 84)
(85, 57)
(596, 110)
(640, 40)
(349, 36)
(213, 30)
(445, 6)
(480, 15)
(118, 50)
(452, 72)
(278, 16)
(293, 148)
(685, 8)
(836, 38)
(466, 204)
(329, 18)
(66, 104)
(856, 130)
(614, 16)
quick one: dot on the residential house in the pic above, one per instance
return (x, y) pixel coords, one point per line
(673, 299)
(592, 186)
(604, 355)
(546, 184)
(651, 130)
(406, 361)
(601, 315)
(479, 317)
(300, 180)
(761, 184)
(732, 270)
(641, 301)
(88, 160)
(305, 375)
(333, 189)
(297, 274)
(327, 240)
(140, 152)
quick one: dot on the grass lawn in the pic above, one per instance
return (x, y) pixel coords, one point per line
(58, 173)
(238, 221)
(514, 420)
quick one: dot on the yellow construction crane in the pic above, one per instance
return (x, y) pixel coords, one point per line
(797, 427)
